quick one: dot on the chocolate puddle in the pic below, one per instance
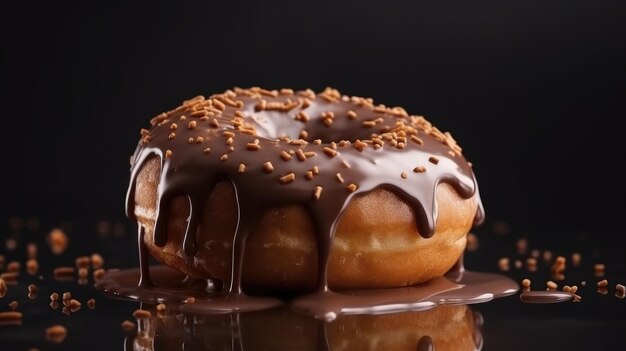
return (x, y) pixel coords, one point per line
(545, 296)
(455, 288)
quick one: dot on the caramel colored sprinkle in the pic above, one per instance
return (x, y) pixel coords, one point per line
(168, 153)
(207, 150)
(144, 132)
(302, 117)
(288, 178)
(300, 155)
(551, 285)
(603, 283)
(91, 303)
(82, 262)
(526, 285)
(253, 146)
(351, 187)
(98, 274)
(317, 141)
(190, 300)
(309, 175)
(32, 289)
(620, 291)
(317, 192)
(351, 114)
(285, 155)
(214, 123)
(598, 269)
(359, 145)
(63, 271)
(369, 123)
(13, 305)
(160, 307)
(171, 136)
(419, 169)
(576, 258)
(434, 160)
(54, 297)
(190, 140)
(503, 264)
(56, 333)
(315, 170)
(330, 152)
(559, 265)
(141, 314)
(224, 157)
(268, 167)
(417, 140)
(128, 326)
(577, 298)
(74, 305)
(173, 126)
(241, 168)
(32, 266)
(13, 267)
(9, 277)
(182, 118)
(345, 164)
(10, 317)
(198, 114)
(404, 175)
(82, 273)
(220, 105)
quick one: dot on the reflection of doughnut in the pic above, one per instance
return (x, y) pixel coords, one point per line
(383, 198)
(444, 327)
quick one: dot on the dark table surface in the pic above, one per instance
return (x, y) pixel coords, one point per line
(597, 322)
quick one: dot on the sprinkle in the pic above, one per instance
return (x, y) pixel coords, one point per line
(330, 152)
(417, 140)
(404, 175)
(220, 105)
(285, 155)
(253, 146)
(309, 175)
(434, 160)
(32, 289)
(67, 296)
(168, 153)
(141, 314)
(54, 297)
(242, 168)
(603, 283)
(620, 291)
(315, 170)
(359, 145)
(317, 141)
(300, 154)
(91, 303)
(144, 132)
(503, 264)
(199, 140)
(268, 167)
(351, 187)
(302, 117)
(182, 118)
(559, 265)
(351, 114)
(339, 177)
(74, 305)
(551, 285)
(214, 123)
(598, 269)
(56, 333)
(190, 300)
(82, 273)
(419, 169)
(310, 154)
(526, 285)
(369, 123)
(345, 164)
(128, 326)
(190, 140)
(207, 150)
(229, 141)
(32, 266)
(317, 192)
(304, 134)
(224, 157)
(576, 258)
(96, 261)
(160, 307)
(63, 271)
(288, 178)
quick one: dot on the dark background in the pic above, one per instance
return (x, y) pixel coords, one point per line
(532, 90)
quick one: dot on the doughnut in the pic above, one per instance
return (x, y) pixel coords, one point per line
(292, 191)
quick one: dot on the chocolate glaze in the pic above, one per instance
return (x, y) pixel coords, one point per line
(190, 170)
(545, 296)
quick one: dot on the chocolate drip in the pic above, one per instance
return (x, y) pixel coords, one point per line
(144, 264)
(425, 344)
(204, 142)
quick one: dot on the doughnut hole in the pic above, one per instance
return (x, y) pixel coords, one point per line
(376, 245)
